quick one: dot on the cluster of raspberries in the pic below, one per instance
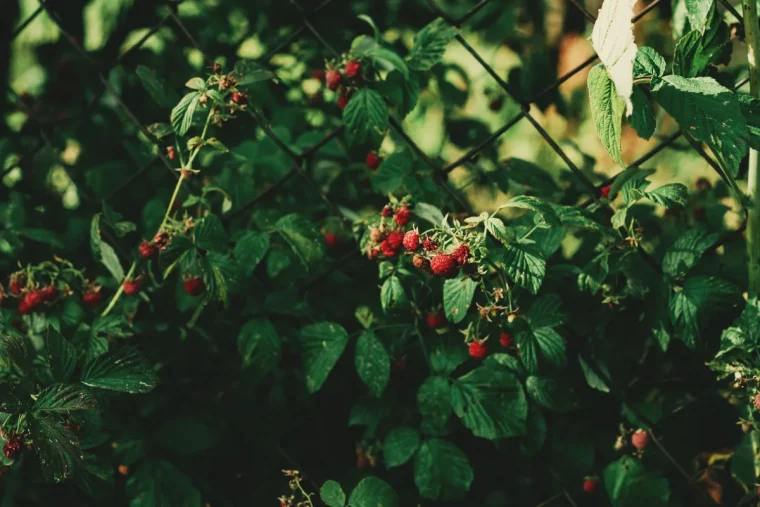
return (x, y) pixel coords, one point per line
(31, 299)
(438, 264)
(389, 242)
(13, 447)
(342, 79)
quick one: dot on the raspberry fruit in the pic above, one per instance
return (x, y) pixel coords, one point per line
(506, 340)
(161, 239)
(402, 216)
(331, 239)
(239, 98)
(373, 161)
(147, 250)
(333, 79)
(395, 240)
(640, 439)
(412, 241)
(436, 320)
(387, 249)
(31, 301)
(429, 245)
(92, 299)
(444, 265)
(171, 152)
(605, 191)
(421, 263)
(49, 293)
(16, 284)
(318, 74)
(194, 286)
(462, 254)
(376, 235)
(342, 102)
(589, 486)
(477, 350)
(13, 447)
(353, 68)
(387, 212)
(756, 402)
(132, 287)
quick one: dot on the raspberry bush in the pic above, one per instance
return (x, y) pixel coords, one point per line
(303, 255)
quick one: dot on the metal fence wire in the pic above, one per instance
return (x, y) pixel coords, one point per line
(301, 162)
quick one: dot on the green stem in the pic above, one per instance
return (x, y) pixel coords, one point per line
(119, 292)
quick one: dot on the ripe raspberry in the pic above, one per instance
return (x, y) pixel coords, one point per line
(147, 250)
(395, 240)
(436, 320)
(506, 340)
(387, 249)
(194, 286)
(123, 470)
(353, 68)
(421, 263)
(49, 293)
(462, 254)
(92, 299)
(331, 239)
(239, 98)
(333, 79)
(318, 74)
(376, 235)
(429, 245)
(171, 152)
(132, 287)
(373, 161)
(387, 212)
(589, 486)
(402, 216)
(757, 401)
(412, 241)
(605, 191)
(640, 439)
(342, 102)
(13, 447)
(31, 301)
(16, 284)
(444, 265)
(477, 350)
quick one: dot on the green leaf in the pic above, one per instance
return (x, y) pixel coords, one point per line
(15, 348)
(457, 297)
(442, 471)
(543, 208)
(103, 252)
(365, 316)
(61, 354)
(430, 45)
(529, 174)
(391, 173)
(186, 435)
(388, 59)
(322, 345)
(525, 266)
(698, 12)
(400, 445)
(157, 87)
(392, 294)
(697, 51)
(447, 355)
(497, 229)
(209, 234)
(606, 111)
(701, 295)
(332, 494)
(303, 238)
(648, 63)
(366, 117)
(434, 401)
(251, 249)
(248, 72)
(182, 115)
(642, 119)
(750, 107)
(545, 312)
(57, 447)
(124, 370)
(196, 83)
(373, 492)
(372, 363)
(744, 334)
(687, 250)
(160, 130)
(14, 398)
(541, 348)
(592, 378)
(709, 112)
(259, 346)
(552, 393)
(63, 398)
(576, 217)
(629, 485)
(429, 212)
(490, 402)
(672, 195)
(159, 484)
(402, 91)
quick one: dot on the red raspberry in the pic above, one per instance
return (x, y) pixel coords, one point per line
(436, 320)
(353, 68)
(387, 249)
(239, 98)
(757, 401)
(605, 191)
(49, 293)
(31, 301)
(462, 254)
(444, 265)
(331, 239)
(506, 339)
(333, 79)
(373, 161)
(132, 287)
(171, 152)
(412, 241)
(421, 263)
(477, 350)
(147, 250)
(402, 216)
(640, 439)
(13, 447)
(16, 284)
(92, 299)
(318, 74)
(342, 102)
(429, 245)
(194, 286)
(589, 486)
(387, 212)
(395, 240)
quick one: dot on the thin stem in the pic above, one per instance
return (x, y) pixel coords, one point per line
(119, 292)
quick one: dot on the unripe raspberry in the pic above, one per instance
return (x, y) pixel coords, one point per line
(342, 102)
(92, 299)
(462, 254)
(402, 216)
(333, 79)
(353, 69)
(444, 265)
(147, 250)
(161, 239)
(171, 152)
(331, 239)
(589, 486)
(412, 241)
(132, 287)
(395, 240)
(640, 439)
(194, 286)
(506, 340)
(398, 366)
(436, 320)
(421, 263)
(373, 161)
(376, 235)
(605, 191)
(477, 350)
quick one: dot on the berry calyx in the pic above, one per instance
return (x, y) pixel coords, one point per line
(92, 299)
(462, 253)
(589, 486)
(376, 235)
(342, 102)
(171, 152)
(353, 68)
(436, 320)
(402, 216)
(373, 161)
(605, 191)
(161, 239)
(147, 250)
(194, 286)
(477, 350)
(506, 339)
(333, 79)
(132, 287)
(443, 265)
(331, 239)
(640, 439)
(412, 241)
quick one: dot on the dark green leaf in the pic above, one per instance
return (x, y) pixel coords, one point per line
(642, 119)
(332, 494)
(700, 296)
(322, 345)
(124, 370)
(750, 107)
(698, 50)
(442, 471)
(543, 208)
(457, 297)
(648, 63)
(606, 111)
(392, 294)
(687, 250)
(366, 117)
(372, 363)
(160, 484)
(433, 401)
(210, 235)
(541, 348)
(545, 312)
(430, 45)
(402, 91)
(61, 355)
(525, 266)
(373, 492)
(57, 448)
(391, 173)
(14, 398)
(628, 484)
(400, 445)
(248, 72)
(186, 436)
(182, 115)
(552, 393)
(303, 238)
(157, 87)
(64, 398)
(259, 346)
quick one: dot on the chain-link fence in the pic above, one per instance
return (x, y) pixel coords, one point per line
(304, 27)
